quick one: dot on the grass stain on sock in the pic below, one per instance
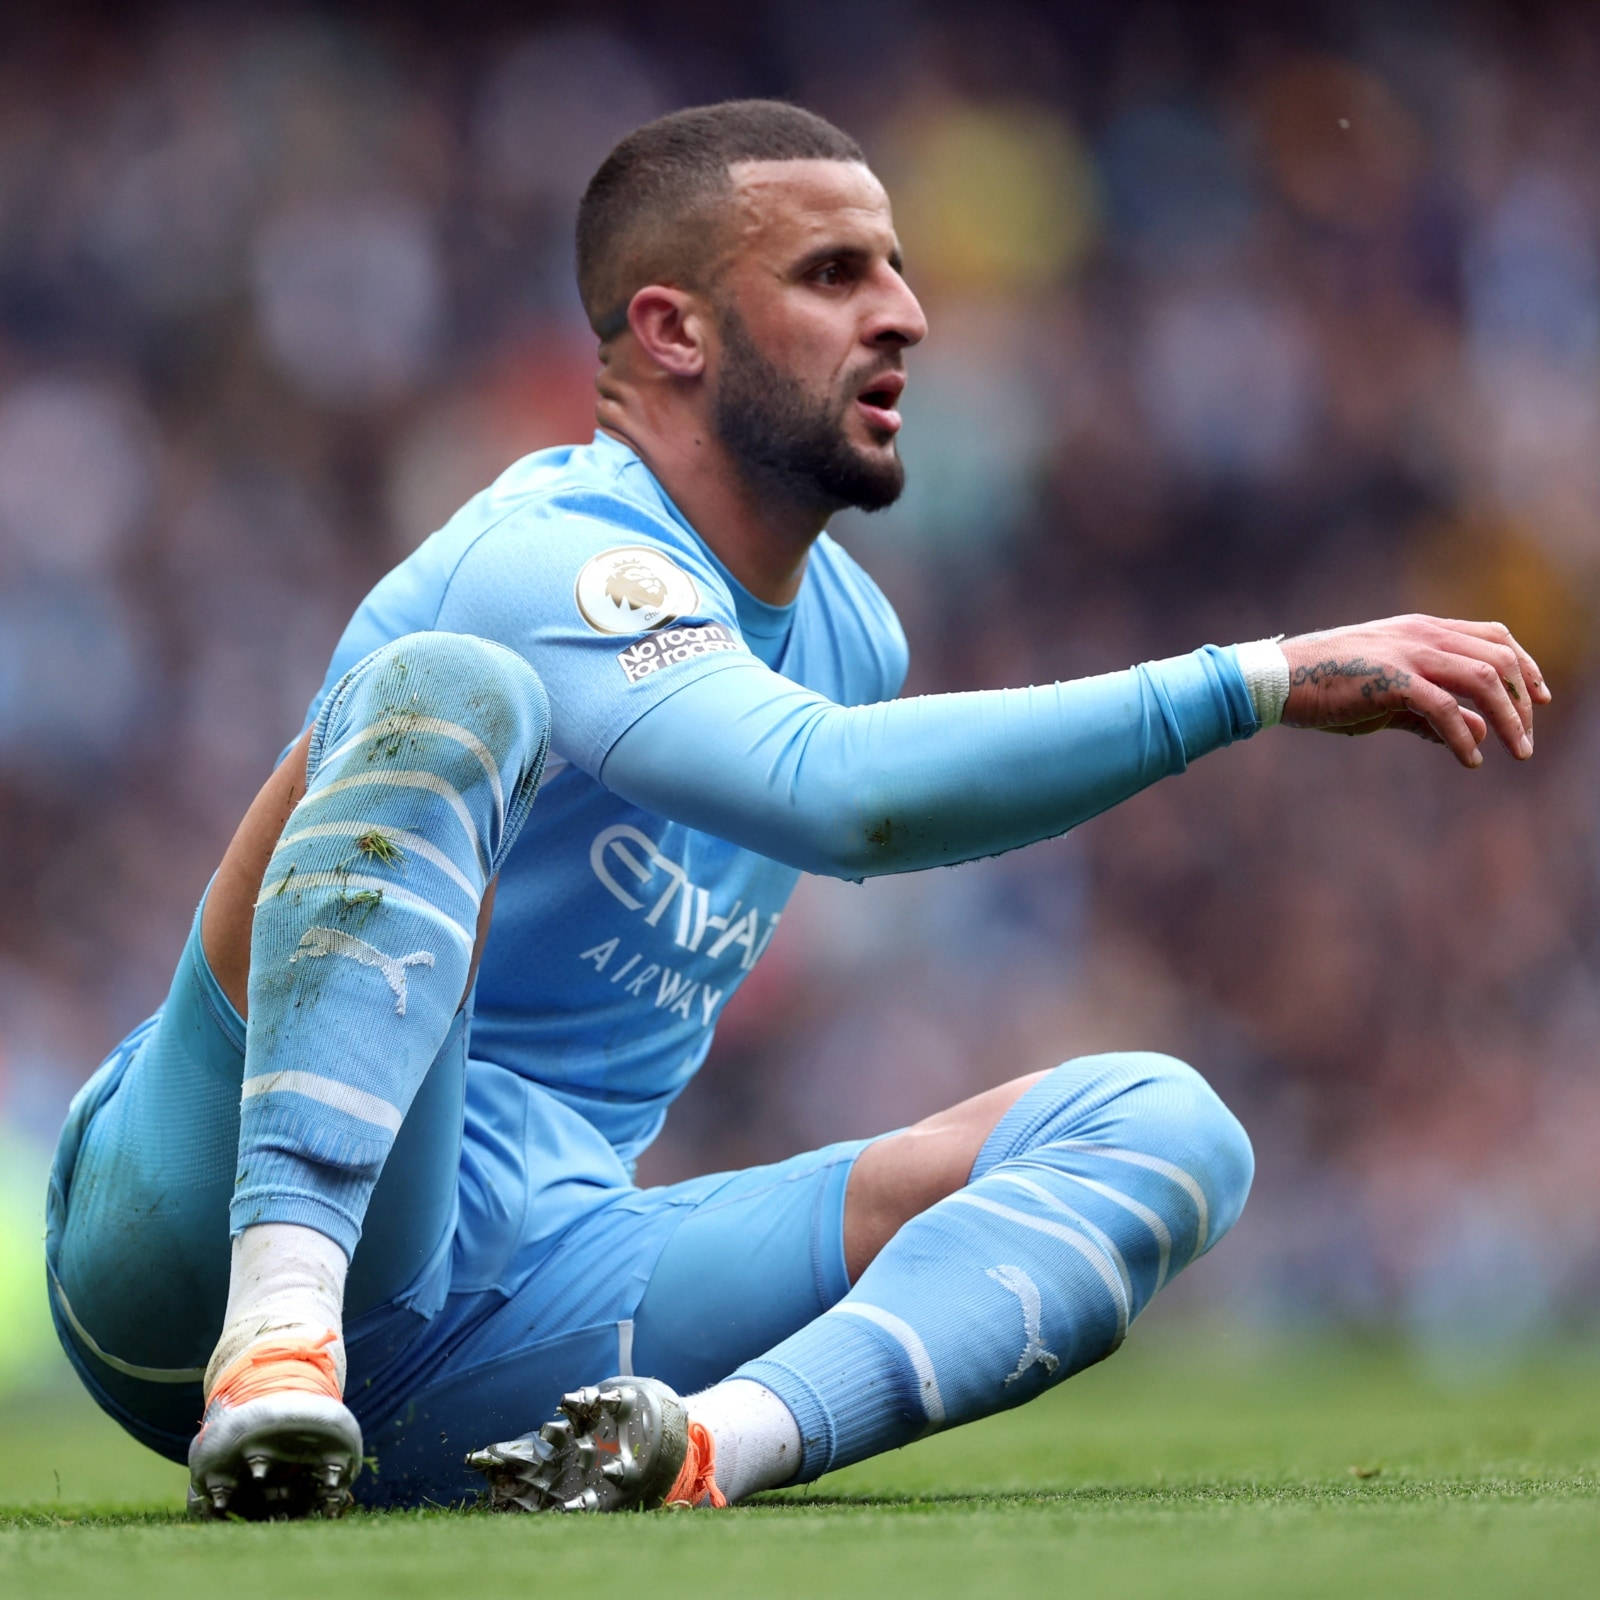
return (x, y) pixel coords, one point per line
(380, 847)
(359, 905)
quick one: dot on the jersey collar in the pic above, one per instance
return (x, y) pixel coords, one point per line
(757, 618)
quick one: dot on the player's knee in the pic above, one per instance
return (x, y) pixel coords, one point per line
(1184, 1120)
(465, 712)
(454, 680)
(472, 682)
(1231, 1163)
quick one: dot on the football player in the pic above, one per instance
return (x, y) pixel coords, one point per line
(364, 1183)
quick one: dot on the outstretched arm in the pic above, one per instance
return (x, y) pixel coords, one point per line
(859, 791)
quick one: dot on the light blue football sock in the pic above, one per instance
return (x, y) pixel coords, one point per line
(422, 766)
(1101, 1183)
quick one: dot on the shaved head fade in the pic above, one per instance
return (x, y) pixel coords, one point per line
(651, 213)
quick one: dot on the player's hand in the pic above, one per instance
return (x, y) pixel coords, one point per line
(1449, 682)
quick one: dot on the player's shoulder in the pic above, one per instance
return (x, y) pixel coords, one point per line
(577, 494)
(557, 511)
(859, 615)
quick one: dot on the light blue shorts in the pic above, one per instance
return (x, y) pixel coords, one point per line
(483, 1287)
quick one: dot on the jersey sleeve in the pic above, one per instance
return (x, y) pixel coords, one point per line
(856, 791)
(613, 608)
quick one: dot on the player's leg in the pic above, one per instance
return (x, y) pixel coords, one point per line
(1102, 1181)
(361, 907)
(419, 771)
(1006, 1245)
(365, 915)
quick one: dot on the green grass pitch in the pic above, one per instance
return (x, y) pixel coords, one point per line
(1186, 1466)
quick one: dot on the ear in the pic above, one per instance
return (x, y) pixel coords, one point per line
(670, 329)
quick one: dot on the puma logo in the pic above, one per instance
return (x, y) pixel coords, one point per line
(1027, 1291)
(316, 942)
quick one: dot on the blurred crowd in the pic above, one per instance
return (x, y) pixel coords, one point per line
(1239, 326)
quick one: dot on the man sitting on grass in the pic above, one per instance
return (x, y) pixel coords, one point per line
(417, 1122)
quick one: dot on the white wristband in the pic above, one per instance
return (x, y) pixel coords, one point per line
(1265, 669)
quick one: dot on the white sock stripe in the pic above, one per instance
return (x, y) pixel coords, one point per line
(911, 1342)
(407, 841)
(408, 780)
(343, 1097)
(411, 722)
(1151, 1219)
(389, 891)
(1167, 1169)
(1091, 1230)
(1085, 1246)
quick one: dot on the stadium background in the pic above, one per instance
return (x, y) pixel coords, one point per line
(1240, 324)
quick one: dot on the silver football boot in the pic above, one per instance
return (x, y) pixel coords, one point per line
(277, 1441)
(622, 1445)
(280, 1457)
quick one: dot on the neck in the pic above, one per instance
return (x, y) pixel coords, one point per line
(760, 537)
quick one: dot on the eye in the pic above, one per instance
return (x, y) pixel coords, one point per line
(830, 275)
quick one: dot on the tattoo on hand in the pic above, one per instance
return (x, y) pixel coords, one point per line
(1379, 678)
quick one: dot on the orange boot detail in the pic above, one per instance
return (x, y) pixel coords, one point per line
(696, 1483)
(269, 1368)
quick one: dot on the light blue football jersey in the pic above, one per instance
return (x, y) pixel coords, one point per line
(618, 936)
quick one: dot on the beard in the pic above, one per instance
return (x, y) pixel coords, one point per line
(789, 442)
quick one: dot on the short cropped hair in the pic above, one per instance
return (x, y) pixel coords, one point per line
(649, 213)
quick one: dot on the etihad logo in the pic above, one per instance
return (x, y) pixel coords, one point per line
(634, 872)
(672, 645)
(662, 894)
(634, 589)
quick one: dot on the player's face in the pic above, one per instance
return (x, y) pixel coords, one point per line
(813, 321)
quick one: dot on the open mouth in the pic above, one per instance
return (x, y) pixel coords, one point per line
(879, 400)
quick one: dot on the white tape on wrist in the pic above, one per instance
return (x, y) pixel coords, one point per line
(1265, 669)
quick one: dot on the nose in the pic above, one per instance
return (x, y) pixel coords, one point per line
(897, 318)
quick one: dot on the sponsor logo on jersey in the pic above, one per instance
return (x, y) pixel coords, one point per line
(672, 645)
(665, 988)
(655, 887)
(634, 589)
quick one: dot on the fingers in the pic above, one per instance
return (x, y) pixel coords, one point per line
(1410, 722)
(1477, 680)
(1507, 664)
(1439, 710)
(1499, 633)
